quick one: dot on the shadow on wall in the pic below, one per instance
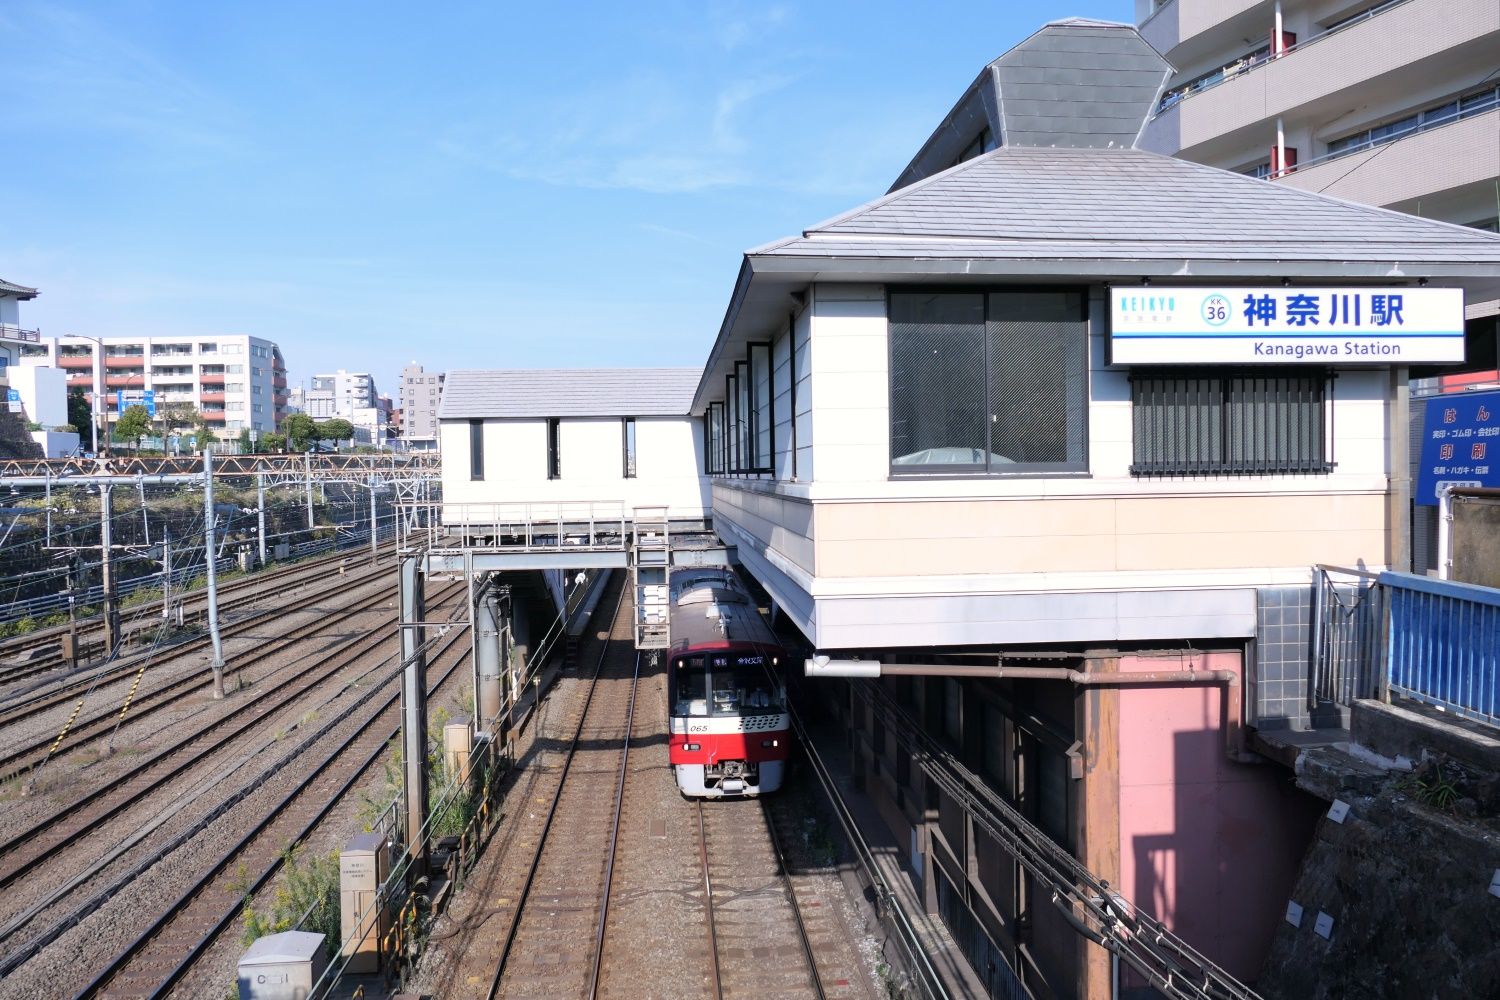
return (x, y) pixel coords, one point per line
(1209, 847)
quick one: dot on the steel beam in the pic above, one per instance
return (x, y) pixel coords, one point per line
(414, 711)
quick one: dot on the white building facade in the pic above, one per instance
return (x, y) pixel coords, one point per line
(418, 397)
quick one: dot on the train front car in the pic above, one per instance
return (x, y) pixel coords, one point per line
(729, 727)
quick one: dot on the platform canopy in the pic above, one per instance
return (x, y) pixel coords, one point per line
(1097, 216)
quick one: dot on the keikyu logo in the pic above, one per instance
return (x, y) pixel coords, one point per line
(1143, 307)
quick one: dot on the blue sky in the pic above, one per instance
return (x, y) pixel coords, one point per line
(487, 185)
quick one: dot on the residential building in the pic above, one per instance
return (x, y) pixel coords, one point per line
(351, 396)
(237, 382)
(13, 337)
(419, 396)
(1392, 103)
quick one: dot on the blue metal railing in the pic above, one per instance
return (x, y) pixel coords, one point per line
(1443, 644)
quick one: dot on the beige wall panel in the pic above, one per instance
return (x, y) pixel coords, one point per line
(964, 519)
(958, 556)
(1229, 550)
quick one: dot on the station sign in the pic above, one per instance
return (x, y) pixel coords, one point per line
(1255, 326)
(1460, 444)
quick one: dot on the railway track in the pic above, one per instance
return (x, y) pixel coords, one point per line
(27, 753)
(233, 595)
(31, 850)
(233, 603)
(168, 947)
(564, 894)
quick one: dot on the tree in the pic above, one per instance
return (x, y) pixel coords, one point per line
(134, 424)
(204, 436)
(272, 442)
(177, 418)
(337, 429)
(80, 414)
(300, 430)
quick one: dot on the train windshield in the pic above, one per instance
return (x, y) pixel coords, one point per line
(728, 684)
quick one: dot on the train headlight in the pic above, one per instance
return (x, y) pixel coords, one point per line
(770, 743)
(692, 746)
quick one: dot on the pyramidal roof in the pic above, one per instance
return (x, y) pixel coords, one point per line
(1032, 202)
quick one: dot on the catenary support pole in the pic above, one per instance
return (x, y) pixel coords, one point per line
(166, 573)
(307, 485)
(260, 514)
(487, 658)
(374, 544)
(209, 558)
(107, 570)
(414, 711)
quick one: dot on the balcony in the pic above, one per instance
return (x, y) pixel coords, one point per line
(124, 360)
(1383, 58)
(1181, 29)
(75, 361)
(1462, 154)
(136, 380)
(11, 332)
(86, 381)
(211, 378)
(207, 398)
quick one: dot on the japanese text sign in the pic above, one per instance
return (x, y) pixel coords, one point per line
(1460, 443)
(1390, 326)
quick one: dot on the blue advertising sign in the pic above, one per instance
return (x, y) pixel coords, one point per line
(149, 399)
(12, 395)
(1458, 432)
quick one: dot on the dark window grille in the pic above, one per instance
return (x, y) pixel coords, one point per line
(554, 449)
(1242, 423)
(476, 450)
(628, 438)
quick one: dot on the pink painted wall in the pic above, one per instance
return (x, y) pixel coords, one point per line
(1209, 847)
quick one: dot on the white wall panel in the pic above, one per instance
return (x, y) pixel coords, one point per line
(851, 378)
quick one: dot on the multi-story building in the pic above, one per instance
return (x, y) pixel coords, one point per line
(419, 395)
(351, 396)
(13, 339)
(237, 382)
(1392, 103)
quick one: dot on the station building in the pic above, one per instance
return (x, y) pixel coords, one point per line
(1040, 450)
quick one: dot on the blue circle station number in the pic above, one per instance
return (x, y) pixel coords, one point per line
(1216, 310)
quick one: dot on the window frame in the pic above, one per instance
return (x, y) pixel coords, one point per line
(554, 448)
(760, 425)
(628, 454)
(476, 450)
(1018, 470)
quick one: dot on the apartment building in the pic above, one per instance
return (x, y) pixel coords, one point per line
(13, 339)
(237, 382)
(1393, 103)
(351, 396)
(418, 397)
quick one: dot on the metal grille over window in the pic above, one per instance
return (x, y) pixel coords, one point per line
(1241, 423)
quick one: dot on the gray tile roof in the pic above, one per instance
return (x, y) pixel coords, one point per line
(19, 291)
(1125, 204)
(1076, 82)
(568, 392)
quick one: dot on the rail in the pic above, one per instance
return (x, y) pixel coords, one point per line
(585, 525)
(9, 331)
(1444, 644)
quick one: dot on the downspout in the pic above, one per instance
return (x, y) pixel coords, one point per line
(1228, 682)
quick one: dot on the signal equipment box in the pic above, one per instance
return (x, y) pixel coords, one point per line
(363, 867)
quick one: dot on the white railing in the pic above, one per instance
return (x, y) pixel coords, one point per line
(519, 527)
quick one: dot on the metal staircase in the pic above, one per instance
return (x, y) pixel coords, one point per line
(650, 569)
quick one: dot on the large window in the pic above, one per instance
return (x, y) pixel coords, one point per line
(1232, 423)
(988, 382)
(740, 432)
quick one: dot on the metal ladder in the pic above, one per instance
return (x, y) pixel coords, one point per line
(650, 570)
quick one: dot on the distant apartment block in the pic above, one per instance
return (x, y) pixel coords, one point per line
(351, 396)
(13, 339)
(419, 395)
(1393, 103)
(237, 382)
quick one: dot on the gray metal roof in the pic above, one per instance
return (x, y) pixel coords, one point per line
(19, 291)
(1076, 82)
(1126, 204)
(568, 392)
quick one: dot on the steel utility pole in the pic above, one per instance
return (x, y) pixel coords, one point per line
(260, 513)
(373, 543)
(307, 484)
(107, 571)
(166, 573)
(414, 711)
(208, 559)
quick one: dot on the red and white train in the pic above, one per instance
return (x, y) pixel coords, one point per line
(729, 731)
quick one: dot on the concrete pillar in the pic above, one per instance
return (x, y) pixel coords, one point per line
(487, 655)
(414, 711)
(363, 867)
(1096, 802)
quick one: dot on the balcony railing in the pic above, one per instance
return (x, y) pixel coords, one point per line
(9, 331)
(1240, 67)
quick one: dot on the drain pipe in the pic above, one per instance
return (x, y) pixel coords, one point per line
(1228, 682)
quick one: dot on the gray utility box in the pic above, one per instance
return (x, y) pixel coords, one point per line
(282, 966)
(363, 923)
